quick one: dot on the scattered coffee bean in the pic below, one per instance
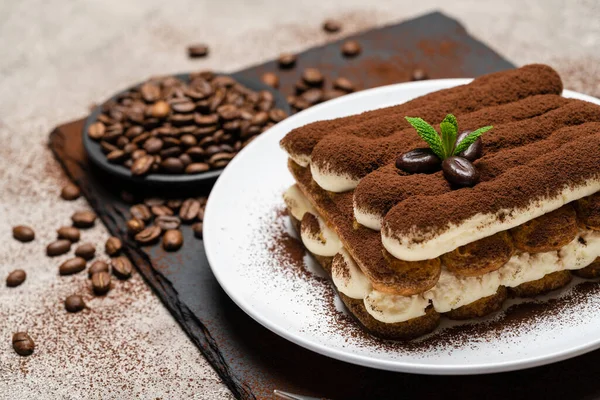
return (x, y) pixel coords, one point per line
(101, 283)
(189, 210)
(172, 240)
(312, 96)
(74, 303)
(23, 233)
(86, 251)
(277, 115)
(332, 94)
(474, 151)
(331, 26)
(69, 233)
(72, 266)
(459, 171)
(197, 51)
(98, 266)
(419, 161)
(343, 84)
(58, 247)
(135, 226)
(271, 79)
(313, 77)
(418, 75)
(286, 60)
(83, 219)
(197, 228)
(351, 48)
(167, 222)
(148, 235)
(113, 246)
(16, 278)
(121, 267)
(141, 212)
(23, 344)
(70, 192)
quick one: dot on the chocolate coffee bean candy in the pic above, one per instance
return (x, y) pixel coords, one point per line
(418, 74)
(101, 283)
(343, 84)
(121, 267)
(196, 168)
(161, 210)
(96, 130)
(277, 115)
(459, 171)
(113, 246)
(269, 78)
(160, 109)
(197, 50)
(98, 266)
(74, 303)
(167, 222)
(83, 219)
(72, 266)
(189, 210)
(23, 344)
(135, 226)
(331, 26)
(286, 60)
(197, 228)
(23, 233)
(148, 235)
(172, 165)
(16, 278)
(172, 240)
(141, 212)
(142, 165)
(474, 151)
(312, 96)
(68, 232)
(419, 161)
(351, 48)
(58, 247)
(313, 77)
(70, 192)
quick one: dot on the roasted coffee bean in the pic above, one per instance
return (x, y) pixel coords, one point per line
(135, 225)
(153, 145)
(70, 192)
(225, 148)
(313, 77)
(277, 115)
(183, 107)
(205, 130)
(161, 210)
(331, 26)
(211, 150)
(23, 233)
(150, 92)
(189, 140)
(68, 232)
(141, 212)
(23, 344)
(228, 112)
(172, 165)
(154, 201)
(96, 130)
(113, 246)
(134, 131)
(260, 118)
(460, 172)
(197, 228)
(121, 267)
(300, 87)
(286, 60)
(270, 79)
(474, 151)
(107, 148)
(196, 168)
(74, 303)
(172, 240)
(122, 141)
(58, 247)
(101, 283)
(418, 75)
(170, 142)
(206, 120)
(343, 84)
(116, 156)
(181, 119)
(139, 140)
(312, 96)
(185, 159)
(174, 204)
(167, 222)
(197, 50)
(171, 152)
(148, 235)
(72, 266)
(142, 165)
(85, 251)
(219, 160)
(351, 48)
(16, 278)
(130, 148)
(160, 109)
(139, 153)
(419, 161)
(128, 163)
(189, 210)
(83, 219)
(195, 153)
(98, 266)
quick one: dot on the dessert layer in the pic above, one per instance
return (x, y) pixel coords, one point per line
(490, 90)
(424, 227)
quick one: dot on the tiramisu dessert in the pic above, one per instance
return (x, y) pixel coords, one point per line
(451, 202)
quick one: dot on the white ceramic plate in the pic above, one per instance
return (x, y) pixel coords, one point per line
(241, 221)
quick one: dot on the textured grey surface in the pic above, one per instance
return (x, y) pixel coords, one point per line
(58, 57)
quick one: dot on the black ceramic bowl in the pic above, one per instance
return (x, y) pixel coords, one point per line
(98, 158)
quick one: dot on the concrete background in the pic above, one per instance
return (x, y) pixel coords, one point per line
(58, 57)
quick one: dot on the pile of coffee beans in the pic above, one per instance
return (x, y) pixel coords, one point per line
(169, 126)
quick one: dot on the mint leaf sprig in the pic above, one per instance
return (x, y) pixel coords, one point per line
(445, 146)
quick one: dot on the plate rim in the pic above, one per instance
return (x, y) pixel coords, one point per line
(346, 356)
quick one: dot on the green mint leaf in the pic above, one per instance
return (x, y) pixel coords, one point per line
(449, 133)
(470, 139)
(428, 134)
(451, 119)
